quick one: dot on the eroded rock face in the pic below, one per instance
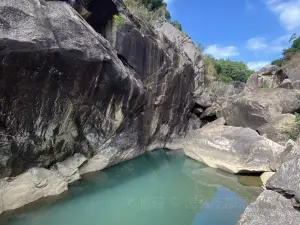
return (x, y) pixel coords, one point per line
(278, 129)
(68, 169)
(187, 46)
(287, 179)
(257, 107)
(270, 208)
(35, 184)
(234, 149)
(268, 77)
(65, 90)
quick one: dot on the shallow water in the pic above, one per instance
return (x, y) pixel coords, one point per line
(159, 188)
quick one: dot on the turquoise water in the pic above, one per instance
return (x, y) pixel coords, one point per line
(159, 188)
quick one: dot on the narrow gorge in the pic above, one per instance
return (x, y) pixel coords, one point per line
(102, 111)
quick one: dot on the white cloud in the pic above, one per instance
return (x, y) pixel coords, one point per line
(221, 52)
(257, 43)
(257, 65)
(288, 12)
(275, 45)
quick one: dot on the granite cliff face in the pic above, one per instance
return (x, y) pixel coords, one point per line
(73, 86)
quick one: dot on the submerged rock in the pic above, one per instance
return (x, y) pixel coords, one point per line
(33, 185)
(234, 149)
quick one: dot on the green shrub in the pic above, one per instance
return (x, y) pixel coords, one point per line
(264, 84)
(294, 132)
(148, 10)
(277, 62)
(118, 21)
(177, 25)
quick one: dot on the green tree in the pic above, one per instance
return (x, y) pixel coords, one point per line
(228, 71)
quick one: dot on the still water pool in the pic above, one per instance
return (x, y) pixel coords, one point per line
(159, 188)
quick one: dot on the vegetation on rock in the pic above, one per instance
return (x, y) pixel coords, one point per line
(151, 10)
(264, 84)
(289, 52)
(294, 132)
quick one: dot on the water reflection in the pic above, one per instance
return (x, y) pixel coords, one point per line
(163, 188)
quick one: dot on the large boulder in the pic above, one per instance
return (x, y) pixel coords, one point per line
(287, 179)
(217, 92)
(292, 68)
(257, 107)
(270, 208)
(64, 89)
(69, 169)
(268, 77)
(279, 129)
(234, 149)
(33, 185)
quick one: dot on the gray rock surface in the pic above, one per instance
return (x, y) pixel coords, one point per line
(69, 91)
(33, 185)
(217, 92)
(257, 107)
(278, 129)
(268, 77)
(287, 84)
(287, 179)
(68, 169)
(270, 208)
(187, 46)
(234, 149)
(266, 176)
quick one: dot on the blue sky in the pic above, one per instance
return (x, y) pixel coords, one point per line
(253, 31)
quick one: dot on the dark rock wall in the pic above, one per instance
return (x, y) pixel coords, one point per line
(64, 89)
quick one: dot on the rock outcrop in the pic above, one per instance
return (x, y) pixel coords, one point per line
(287, 179)
(280, 203)
(268, 77)
(270, 208)
(257, 107)
(69, 169)
(278, 128)
(65, 89)
(35, 184)
(234, 149)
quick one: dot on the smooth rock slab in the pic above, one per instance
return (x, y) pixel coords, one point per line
(270, 208)
(97, 163)
(68, 169)
(234, 149)
(33, 185)
(266, 176)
